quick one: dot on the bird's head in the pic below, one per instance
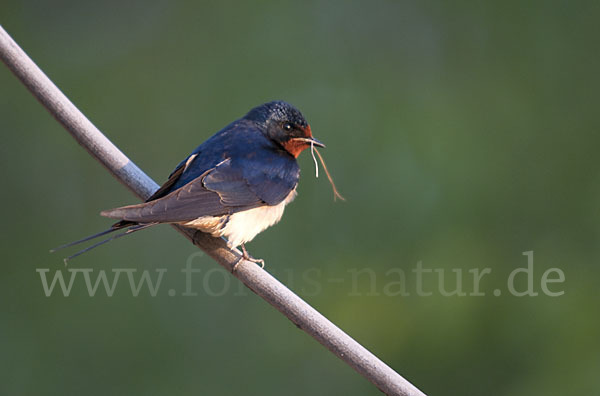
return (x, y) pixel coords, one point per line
(285, 125)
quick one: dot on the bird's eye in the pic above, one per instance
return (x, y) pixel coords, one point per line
(287, 126)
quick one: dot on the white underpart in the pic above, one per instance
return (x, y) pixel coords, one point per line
(243, 226)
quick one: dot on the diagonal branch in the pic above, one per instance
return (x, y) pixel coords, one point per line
(255, 278)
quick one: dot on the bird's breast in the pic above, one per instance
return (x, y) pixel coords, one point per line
(242, 227)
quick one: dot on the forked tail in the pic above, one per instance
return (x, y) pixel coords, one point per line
(130, 227)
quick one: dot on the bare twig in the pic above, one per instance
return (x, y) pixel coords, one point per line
(255, 278)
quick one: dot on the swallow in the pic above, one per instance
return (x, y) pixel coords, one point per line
(234, 185)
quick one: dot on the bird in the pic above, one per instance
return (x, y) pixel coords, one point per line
(234, 185)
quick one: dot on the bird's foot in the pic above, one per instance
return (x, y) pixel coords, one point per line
(246, 256)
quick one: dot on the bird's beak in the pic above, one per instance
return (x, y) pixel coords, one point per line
(310, 140)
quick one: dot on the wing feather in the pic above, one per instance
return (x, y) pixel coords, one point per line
(173, 178)
(219, 191)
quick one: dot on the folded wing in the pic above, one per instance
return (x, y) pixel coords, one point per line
(221, 190)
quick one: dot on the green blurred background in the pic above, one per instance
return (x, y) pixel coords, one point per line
(461, 133)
